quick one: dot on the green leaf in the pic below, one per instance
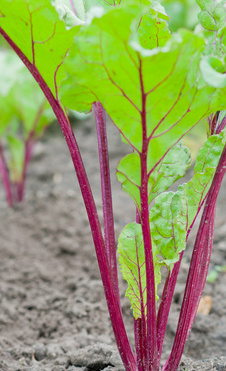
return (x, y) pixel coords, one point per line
(35, 27)
(174, 213)
(170, 169)
(132, 263)
(162, 86)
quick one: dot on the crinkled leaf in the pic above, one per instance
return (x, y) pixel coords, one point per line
(196, 189)
(167, 230)
(213, 19)
(132, 263)
(174, 213)
(160, 86)
(170, 169)
(35, 27)
(213, 14)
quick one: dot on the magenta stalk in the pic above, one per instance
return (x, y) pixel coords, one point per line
(152, 358)
(139, 344)
(203, 269)
(122, 341)
(108, 217)
(140, 326)
(164, 308)
(29, 144)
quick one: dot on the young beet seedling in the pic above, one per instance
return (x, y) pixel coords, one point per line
(120, 57)
(25, 114)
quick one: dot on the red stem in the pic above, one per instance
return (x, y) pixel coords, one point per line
(195, 278)
(122, 341)
(108, 217)
(150, 274)
(203, 269)
(140, 325)
(221, 126)
(27, 157)
(139, 343)
(4, 171)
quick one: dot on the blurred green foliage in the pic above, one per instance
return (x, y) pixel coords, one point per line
(182, 13)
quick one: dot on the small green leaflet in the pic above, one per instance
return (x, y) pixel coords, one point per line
(35, 27)
(174, 213)
(132, 263)
(168, 231)
(170, 169)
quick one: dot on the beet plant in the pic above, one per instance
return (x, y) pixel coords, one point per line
(119, 56)
(24, 116)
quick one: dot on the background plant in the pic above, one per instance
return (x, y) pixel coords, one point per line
(155, 88)
(24, 116)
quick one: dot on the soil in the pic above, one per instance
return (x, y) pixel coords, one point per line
(53, 315)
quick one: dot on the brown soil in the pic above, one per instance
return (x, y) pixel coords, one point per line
(51, 297)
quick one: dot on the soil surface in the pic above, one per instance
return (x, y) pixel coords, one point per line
(53, 315)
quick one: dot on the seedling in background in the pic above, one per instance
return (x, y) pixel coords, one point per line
(24, 116)
(215, 272)
(120, 57)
